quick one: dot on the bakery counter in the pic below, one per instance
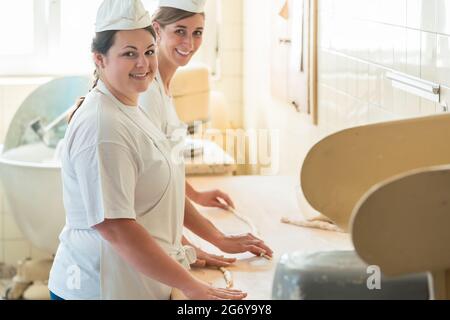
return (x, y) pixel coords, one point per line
(264, 200)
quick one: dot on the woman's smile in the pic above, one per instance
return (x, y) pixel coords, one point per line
(140, 76)
(183, 53)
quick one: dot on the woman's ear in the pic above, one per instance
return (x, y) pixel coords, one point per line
(157, 28)
(98, 60)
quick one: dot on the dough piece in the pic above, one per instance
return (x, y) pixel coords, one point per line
(253, 229)
(263, 255)
(317, 224)
(227, 276)
(320, 217)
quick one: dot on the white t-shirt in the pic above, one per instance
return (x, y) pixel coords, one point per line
(161, 110)
(115, 164)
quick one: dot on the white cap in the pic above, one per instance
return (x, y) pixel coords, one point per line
(121, 15)
(196, 6)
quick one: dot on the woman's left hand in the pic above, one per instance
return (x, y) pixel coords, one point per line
(205, 259)
(243, 243)
(213, 199)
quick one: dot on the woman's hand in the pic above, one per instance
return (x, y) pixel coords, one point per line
(199, 290)
(243, 243)
(213, 198)
(205, 259)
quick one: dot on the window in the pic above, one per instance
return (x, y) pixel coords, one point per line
(23, 32)
(53, 37)
(22, 40)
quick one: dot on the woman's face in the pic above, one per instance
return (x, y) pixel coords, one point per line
(179, 41)
(130, 64)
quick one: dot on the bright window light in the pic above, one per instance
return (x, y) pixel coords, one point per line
(53, 37)
(76, 32)
(17, 35)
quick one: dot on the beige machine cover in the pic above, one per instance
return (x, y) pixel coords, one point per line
(402, 225)
(342, 167)
(191, 89)
(389, 183)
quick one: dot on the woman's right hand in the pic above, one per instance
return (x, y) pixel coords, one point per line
(205, 259)
(200, 290)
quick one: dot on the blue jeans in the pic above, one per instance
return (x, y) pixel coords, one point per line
(54, 296)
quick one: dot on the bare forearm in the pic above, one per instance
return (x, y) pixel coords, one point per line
(140, 250)
(190, 191)
(201, 226)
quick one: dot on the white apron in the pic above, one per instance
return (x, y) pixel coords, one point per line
(164, 222)
(161, 110)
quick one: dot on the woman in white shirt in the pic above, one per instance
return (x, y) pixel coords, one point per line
(123, 192)
(174, 19)
(179, 25)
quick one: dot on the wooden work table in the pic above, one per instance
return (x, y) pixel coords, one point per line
(264, 200)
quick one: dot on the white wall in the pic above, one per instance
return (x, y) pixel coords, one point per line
(359, 40)
(231, 46)
(261, 110)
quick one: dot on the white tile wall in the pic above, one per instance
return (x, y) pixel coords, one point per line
(428, 56)
(231, 45)
(377, 114)
(421, 14)
(232, 63)
(359, 41)
(414, 14)
(412, 37)
(2, 127)
(232, 12)
(375, 85)
(443, 60)
(428, 107)
(408, 35)
(442, 23)
(413, 42)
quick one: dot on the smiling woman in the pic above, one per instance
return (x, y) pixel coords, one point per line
(125, 72)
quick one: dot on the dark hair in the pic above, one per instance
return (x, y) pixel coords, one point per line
(168, 15)
(102, 42)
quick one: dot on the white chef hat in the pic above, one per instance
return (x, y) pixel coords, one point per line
(196, 6)
(121, 15)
